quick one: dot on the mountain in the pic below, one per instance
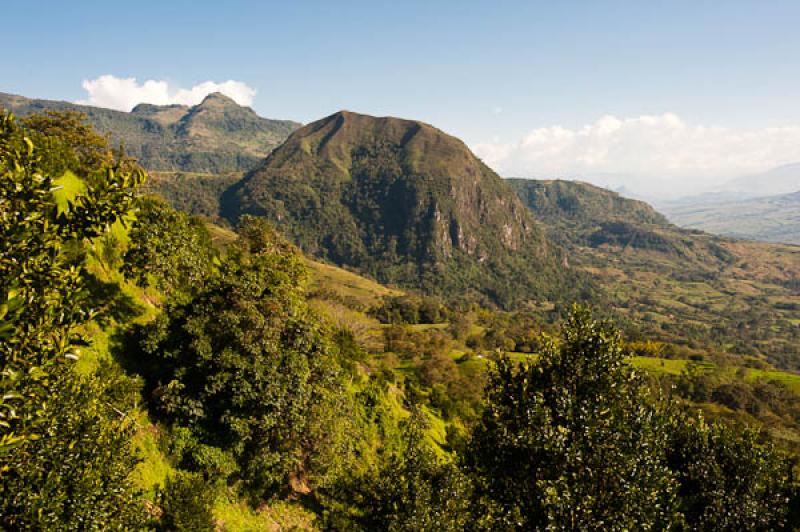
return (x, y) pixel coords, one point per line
(580, 217)
(781, 180)
(405, 203)
(771, 219)
(574, 206)
(579, 214)
(215, 136)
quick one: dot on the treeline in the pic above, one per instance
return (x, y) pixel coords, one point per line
(257, 394)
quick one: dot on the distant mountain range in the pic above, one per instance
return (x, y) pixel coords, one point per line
(215, 136)
(781, 180)
(761, 206)
(771, 218)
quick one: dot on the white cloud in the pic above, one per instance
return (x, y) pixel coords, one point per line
(658, 154)
(125, 93)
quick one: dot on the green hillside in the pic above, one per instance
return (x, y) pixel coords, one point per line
(672, 283)
(215, 136)
(579, 203)
(406, 204)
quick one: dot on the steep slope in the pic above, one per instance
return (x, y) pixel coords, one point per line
(675, 284)
(573, 211)
(579, 214)
(215, 136)
(404, 203)
(771, 219)
(581, 201)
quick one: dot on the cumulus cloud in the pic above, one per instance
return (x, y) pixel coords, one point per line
(125, 93)
(649, 154)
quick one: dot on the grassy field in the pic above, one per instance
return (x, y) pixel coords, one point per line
(347, 285)
(790, 380)
(659, 365)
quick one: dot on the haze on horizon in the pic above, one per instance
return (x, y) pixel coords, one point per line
(664, 100)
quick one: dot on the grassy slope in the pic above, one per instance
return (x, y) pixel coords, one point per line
(347, 285)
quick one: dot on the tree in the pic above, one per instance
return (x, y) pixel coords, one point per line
(168, 249)
(573, 441)
(244, 364)
(59, 437)
(76, 474)
(40, 282)
(186, 503)
(70, 139)
(728, 479)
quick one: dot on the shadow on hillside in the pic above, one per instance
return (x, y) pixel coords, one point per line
(110, 302)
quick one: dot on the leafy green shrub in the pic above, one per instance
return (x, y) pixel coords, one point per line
(409, 490)
(168, 249)
(186, 501)
(76, 472)
(410, 310)
(728, 479)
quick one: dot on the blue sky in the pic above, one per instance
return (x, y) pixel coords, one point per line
(493, 73)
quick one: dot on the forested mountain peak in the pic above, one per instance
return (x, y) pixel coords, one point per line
(401, 201)
(215, 136)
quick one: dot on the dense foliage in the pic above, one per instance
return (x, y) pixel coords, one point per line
(76, 473)
(243, 366)
(185, 502)
(410, 489)
(64, 452)
(410, 310)
(573, 440)
(168, 249)
(729, 480)
(577, 441)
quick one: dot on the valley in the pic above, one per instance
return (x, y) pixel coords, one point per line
(769, 219)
